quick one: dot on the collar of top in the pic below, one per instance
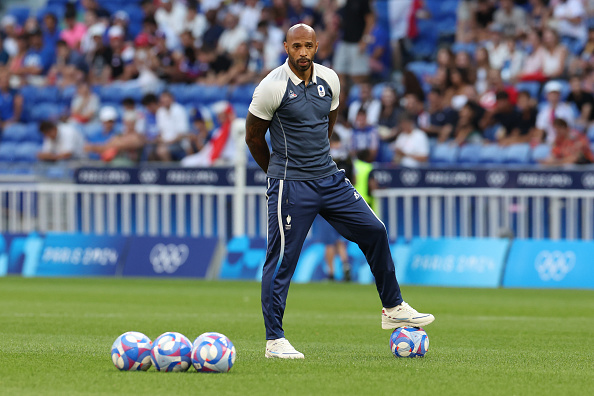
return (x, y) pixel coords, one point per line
(296, 80)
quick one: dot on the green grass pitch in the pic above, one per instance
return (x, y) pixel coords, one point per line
(56, 334)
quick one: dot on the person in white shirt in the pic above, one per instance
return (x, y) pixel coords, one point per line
(195, 22)
(510, 17)
(174, 127)
(552, 110)
(412, 145)
(571, 18)
(60, 142)
(249, 15)
(368, 103)
(233, 34)
(171, 15)
(497, 47)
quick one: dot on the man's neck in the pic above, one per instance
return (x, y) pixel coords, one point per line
(305, 75)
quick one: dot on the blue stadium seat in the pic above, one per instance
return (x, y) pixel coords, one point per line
(378, 89)
(242, 94)
(492, 154)
(14, 133)
(422, 69)
(385, 154)
(532, 87)
(91, 130)
(518, 154)
(446, 25)
(464, 47)
(241, 109)
(110, 93)
(33, 134)
(590, 133)
(540, 152)
(46, 94)
(134, 93)
(178, 91)
(207, 94)
(448, 8)
(353, 93)
(45, 111)
(27, 152)
(444, 153)
(66, 94)
(7, 151)
(52, 8)
(424, 49)
(469, 154)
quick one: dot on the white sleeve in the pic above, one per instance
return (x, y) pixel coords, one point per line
(67, 138)
(541, 118)
(183, 121)
(334, 83)
(267, 98)
(422, 144)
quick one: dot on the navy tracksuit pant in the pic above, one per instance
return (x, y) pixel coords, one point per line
(292, 207)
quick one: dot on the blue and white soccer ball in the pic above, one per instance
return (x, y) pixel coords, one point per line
(131, 351)
(213, 353)
(171, 352)
(409, 342)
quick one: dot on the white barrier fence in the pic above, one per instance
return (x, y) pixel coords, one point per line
(488, 212)
(212, 211)
(130, 209)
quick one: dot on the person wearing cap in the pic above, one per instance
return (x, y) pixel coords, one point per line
(554, 108)
(122, 19)
(85, 104)
(173, 124)
(60, 142)
(8, 25)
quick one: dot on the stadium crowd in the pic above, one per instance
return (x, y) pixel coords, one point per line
(423, 80)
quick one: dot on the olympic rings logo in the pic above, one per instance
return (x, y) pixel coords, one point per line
(168, 258)
(554, 265)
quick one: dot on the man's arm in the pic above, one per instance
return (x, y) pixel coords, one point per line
(255, 138)
(331, 121)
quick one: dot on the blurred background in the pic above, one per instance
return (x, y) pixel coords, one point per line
(466, 124)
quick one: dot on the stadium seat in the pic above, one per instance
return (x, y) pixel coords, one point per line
(52, 8)
(19, 13)
(33, 134)
(464, 47)
(517, 154)
(178, 92)
(240, 109)
(590, 133)
(353, 93)
(14, 133)
(91, 130)
(492, 154)
(540, 152)
(66, 95)
(422, 69)
(27, 152)
(446, 25)
(469, 154)
(385, 154)
(532, 87)
(110, 93)
(7, 151)
(45, 111)
(444, 153)
(242, 94)
(207, 94)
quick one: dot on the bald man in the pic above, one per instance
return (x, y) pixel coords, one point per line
(298, 103)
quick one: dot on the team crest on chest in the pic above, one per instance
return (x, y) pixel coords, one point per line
(321, 90)
(292, 94)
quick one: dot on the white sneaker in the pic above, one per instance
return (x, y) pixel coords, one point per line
(404, 315)
(281, 348)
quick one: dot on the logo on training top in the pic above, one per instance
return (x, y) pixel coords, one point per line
(321, 90)
(357, 196)
(554, 265)
(292, 94)
(288, 225)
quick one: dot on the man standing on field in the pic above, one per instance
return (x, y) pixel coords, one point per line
(298, 102)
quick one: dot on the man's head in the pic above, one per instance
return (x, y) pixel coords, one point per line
(507, 5)
(166, 99)
(575, 82)
(365, 92)
(108, 116)
(553, 91)
(36, 39)
(434, 99)
(150, 102)
(301, 45)
(406, 123)
(502, 102)
(50, 21)
(561, 127)
(48, 129)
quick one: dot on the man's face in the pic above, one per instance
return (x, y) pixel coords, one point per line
(52, 134)
(553, 97)
(561, 131)
(365, 92)
(301, 46)
(166, 100)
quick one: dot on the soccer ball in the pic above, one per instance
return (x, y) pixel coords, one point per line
(131, 351)
(213, 353)
(171, 352)
(409, 342)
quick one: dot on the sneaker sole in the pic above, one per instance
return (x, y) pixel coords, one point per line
(387, 324)
(269, 355)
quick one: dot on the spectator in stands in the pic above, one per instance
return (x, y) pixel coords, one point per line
(297, 13)
(85, 104)
(497, 47)
(502, 120)
(483, 67)
(68, 68)
(350, 58)
(108, 117)
(464, 22)
(119, 55)
(122, 19)
(460, 91)
(553, 109)
(233, 35)
(213, 32)
(9, 34)
(510, 17)
(325, 52)
(584, 102)
(242, 70)
(467, 129)
(121, 149)
(148, 127)
(445, 58)
(73, 31)
(526, 125)
(496, 84)
(439, 119)
(365, 138)
(463, 61)
(99, 59)
(380, 54)
(144, 66)
(390, 108)
(532, 69)
(3, 54)
(171, 15)
(87, 44)
(51, 32)
(173, 125)
(512, 65)
(25, 64)
(166, 61)
(11, 102)
(571, 16)
(413, 105)
(483, 17)
(249, 15)
(367, 103)
(60, 142)
(272, 38)
(200, 134)
(212, 64)
(39, 54)
(554, 54)
(411, 147)
(194, 21)
(569, 146)
(538, 15)
(93, 5)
